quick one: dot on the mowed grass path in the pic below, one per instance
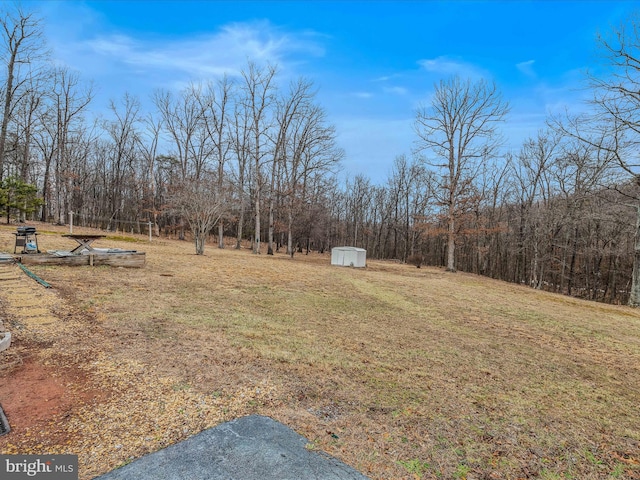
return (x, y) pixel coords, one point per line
(400, 372)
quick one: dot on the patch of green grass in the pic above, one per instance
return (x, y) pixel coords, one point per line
(123, 238)
(415, 466)
(618, 471)
(180, 386)
(549, 475)
(588, 454)
(462, 471)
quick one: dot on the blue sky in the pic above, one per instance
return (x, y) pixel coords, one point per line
(373, 62)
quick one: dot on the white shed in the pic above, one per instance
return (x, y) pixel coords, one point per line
(349, 256)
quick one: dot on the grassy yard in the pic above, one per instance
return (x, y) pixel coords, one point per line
(400, 372)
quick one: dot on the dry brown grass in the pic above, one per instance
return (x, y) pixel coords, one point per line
(400, 372)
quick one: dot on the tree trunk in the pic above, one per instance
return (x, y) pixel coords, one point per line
(8, 100)
(270, 235)
(256, 236)
(572, 264)
(533, 279)
(200, 238)
(290, 228)
(634, 296)
(240, 223)
(46, 191)
(220, 234)
(451, 243)
(258, 187)
(242, 210)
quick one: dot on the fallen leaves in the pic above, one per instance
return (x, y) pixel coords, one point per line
(122, 408)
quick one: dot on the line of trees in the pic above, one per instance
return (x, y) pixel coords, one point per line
(250, 159)
(541, 218)
(225, 153)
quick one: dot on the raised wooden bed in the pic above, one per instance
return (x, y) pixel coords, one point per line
(124, 259)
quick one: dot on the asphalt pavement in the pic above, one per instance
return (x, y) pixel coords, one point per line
(248, 448)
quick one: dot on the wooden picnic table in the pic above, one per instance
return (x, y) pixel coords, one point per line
(84, 240)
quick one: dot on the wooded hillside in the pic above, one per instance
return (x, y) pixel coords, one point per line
(250, 157)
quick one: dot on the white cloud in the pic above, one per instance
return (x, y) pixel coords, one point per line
(141, 62)
(396, 90)
(445, 65)
(386, 78)
(364, 95)
(160, 61)
(225, 51)
(527, 68)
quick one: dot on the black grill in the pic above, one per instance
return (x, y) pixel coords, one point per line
(4, 425)
(26, 240)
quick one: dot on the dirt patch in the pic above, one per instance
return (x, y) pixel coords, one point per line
(37, 393)
(34, 393)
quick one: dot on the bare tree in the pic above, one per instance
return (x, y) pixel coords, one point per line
(62, 123)
(531, 174)
(183, 119)
(124, 136)
(460, 128)
(149, 149)
(217, 113)
(312, 154)
(26, 121)
(288, 110)
(258, 89)
(241, 144)
(23, 45)
(617, 105)
(201, 203)
(600, 163)
(358, 200)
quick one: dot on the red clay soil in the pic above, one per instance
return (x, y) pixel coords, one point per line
(30, 394)
(34, 394)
